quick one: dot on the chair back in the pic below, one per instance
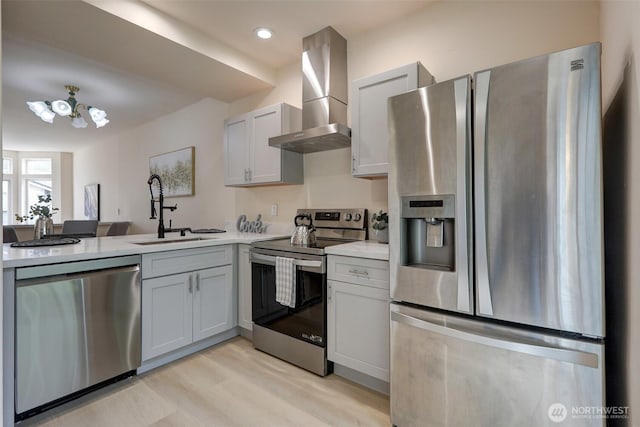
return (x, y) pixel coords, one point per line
(9, 235)
(118, 229)
(80, 227)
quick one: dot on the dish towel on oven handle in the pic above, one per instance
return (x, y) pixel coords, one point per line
(286, 281)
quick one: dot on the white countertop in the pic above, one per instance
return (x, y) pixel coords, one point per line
(105, 247)
(364, 249)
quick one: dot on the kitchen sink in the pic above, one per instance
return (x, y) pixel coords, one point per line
(163, 241)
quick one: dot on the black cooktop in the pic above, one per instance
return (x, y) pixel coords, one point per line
(285, 245)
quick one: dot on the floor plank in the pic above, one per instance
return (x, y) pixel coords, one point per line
(231, 384)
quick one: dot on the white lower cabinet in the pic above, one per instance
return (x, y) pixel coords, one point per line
(244, 287)
(358, 314)
(183, 308)
(167, 309)
(213, 302)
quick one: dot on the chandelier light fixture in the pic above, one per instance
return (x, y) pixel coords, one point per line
(69, 107)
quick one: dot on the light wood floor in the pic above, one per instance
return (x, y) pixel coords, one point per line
(231, 384)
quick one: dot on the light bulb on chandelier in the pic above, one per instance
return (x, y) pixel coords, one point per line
(69, 107)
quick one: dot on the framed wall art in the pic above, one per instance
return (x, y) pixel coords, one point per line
(176, 170)
(92, 201)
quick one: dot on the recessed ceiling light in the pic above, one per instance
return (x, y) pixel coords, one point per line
(263, 33)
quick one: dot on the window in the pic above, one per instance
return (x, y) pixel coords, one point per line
(27, 175)
(36, 180)
(6, 197)
(7, 187)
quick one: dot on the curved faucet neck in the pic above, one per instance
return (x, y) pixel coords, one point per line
(157, 178)
(160, 200)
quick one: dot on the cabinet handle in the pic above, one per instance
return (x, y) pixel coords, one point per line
(353, 164)
(246, 175)
(329, 293)
(197, 282)
(190, 284)
(250, 173)
(362, 272)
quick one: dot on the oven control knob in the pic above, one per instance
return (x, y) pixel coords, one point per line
(357, 217)
(347, 217)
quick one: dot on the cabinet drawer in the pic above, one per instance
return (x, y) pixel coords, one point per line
(362, 271)
(184, 260)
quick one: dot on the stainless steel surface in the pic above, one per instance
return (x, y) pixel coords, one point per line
(469, 369)
(326, 137)
(324, 66)
(322, 111)
(482, 274)
(324, 96)
(75, 330)
(540, 152)
(75, 267)
(298, 335)
(538, 246)
(511, 344)
(333, 227)
(430, 163)
(303, 354)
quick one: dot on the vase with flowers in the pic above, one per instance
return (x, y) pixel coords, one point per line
(42, 211)
(380, 223)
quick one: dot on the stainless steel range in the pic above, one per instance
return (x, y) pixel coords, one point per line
(297, 332)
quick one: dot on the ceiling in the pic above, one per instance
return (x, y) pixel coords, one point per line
(140, 59)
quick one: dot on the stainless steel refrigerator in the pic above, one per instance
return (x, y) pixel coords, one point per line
(496, 247)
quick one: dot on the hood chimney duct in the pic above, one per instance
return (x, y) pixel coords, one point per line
(324, 96)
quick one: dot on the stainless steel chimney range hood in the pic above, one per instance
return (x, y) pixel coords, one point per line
(324, 96)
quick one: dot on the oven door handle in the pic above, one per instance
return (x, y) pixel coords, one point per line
(271, 260)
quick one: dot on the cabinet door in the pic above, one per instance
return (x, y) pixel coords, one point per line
(236, 150)
(358, 328)
(166, 314)
(266, 160)
(214, 302)
(244, 287)
(369, 134)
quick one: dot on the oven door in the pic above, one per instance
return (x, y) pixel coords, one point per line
(307, 321)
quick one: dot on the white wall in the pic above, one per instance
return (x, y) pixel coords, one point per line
(121, 167)
(620, 32)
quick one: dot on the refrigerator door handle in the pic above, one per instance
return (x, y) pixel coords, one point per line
(548, 352)
(462, 94)
(482, 267)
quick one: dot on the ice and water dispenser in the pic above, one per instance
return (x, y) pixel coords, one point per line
(430, 228)
(427, 232)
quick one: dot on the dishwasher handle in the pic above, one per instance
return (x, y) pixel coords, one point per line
(68, 277)
(69, 268)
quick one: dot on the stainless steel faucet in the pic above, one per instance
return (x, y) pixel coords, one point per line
(162, 206)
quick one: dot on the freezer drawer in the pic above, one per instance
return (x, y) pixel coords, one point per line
(450, 371)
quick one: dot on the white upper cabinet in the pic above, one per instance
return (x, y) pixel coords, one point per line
(369, 133)
(249, 160)
(236, 150)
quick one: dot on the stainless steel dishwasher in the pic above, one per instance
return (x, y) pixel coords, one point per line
(77, 326)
